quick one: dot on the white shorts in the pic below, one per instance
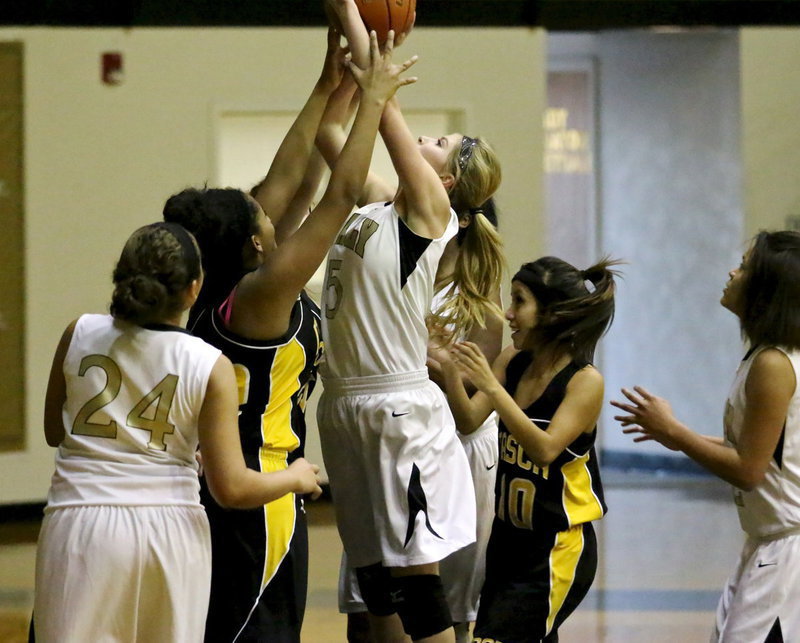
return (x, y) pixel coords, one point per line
(399, 477)
(463, 571)
(349, 594)
(110, 573)
(763, 590)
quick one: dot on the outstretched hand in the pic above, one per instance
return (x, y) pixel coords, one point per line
(382, 78)
(471, 361)
(649, 417)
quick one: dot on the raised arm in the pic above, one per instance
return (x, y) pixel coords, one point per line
(231, 483)
(303, 200)
(346, 17)
(769, 388)
(275, 192)
(286, 270)
(332, 135)
(427, 206)
(427, 203)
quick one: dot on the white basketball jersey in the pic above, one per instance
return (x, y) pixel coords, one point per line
(774, 505)
(378, 292)
(133, 399)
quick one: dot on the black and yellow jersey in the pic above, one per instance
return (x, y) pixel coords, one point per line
(275, 378)
(260, 556)
(566, 493)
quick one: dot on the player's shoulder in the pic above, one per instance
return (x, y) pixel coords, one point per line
(772, 365)
(586, 379)
(773, 357)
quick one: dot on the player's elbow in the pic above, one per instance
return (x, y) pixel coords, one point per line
(749, 479)
(227, 493)
(543, 459)
(542, 455)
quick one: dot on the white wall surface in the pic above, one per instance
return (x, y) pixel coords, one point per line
(101, 160)
(672, 208)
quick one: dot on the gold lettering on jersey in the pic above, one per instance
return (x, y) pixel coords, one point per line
(512, 452)
(356, 238)
(85, 423)
(516, 501)
(151, 413)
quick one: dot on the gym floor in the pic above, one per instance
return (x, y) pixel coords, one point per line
(666, 547)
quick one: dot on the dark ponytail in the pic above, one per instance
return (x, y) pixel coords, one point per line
(576, 307)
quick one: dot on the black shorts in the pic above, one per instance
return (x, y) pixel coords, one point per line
(257, 594)
(533, 582)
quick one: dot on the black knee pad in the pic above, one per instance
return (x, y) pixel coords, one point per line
(376, 585)
(420, 602)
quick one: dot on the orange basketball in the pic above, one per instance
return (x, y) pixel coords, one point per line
(383, 15)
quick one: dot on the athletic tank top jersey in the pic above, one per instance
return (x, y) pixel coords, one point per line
(773, 507)
(133, 398)
(566, 493)
(275, 378)
(378, 291)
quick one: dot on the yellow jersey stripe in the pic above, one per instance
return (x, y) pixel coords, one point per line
(564, 559)
(579, 500)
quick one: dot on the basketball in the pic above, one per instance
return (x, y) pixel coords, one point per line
(383, 15)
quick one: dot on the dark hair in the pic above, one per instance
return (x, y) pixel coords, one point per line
(157, 264)
(571, 316)
(222, 220)
(771, 290)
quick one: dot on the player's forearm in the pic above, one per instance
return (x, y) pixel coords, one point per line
(253, 489)
(466, 415)
(331, 134)
(350, 172)
(713, 455)
(354, 31)
(538, 445)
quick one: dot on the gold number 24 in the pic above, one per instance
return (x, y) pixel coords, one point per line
(162, 394)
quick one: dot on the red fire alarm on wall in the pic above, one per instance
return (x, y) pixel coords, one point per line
(111, 71)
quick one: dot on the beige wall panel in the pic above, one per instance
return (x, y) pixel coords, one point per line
(770, 89)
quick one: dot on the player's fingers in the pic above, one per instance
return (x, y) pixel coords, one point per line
(315, 468)
(374, 50)
(646, 395)
(621, 405)
(632, 397)
(316, 493)
(408, 81)
(388, 47)
(409, 63)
